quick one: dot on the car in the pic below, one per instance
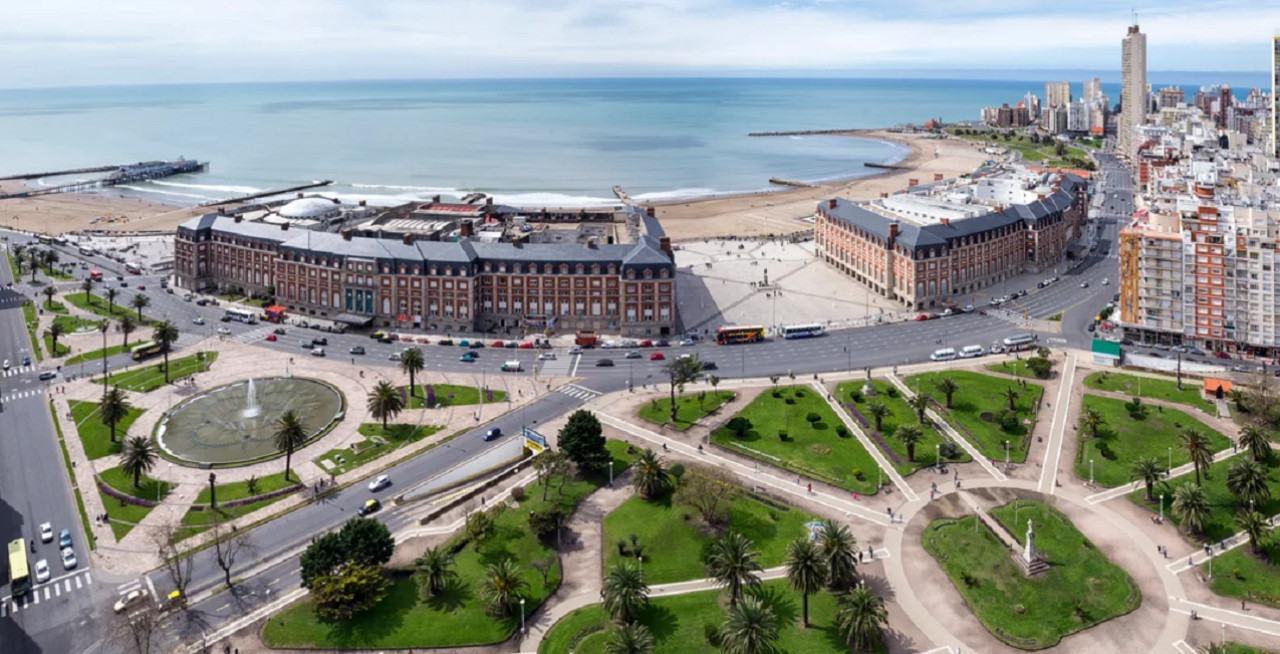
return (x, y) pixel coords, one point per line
(46, 533)
(370, 506)
(119, 278)
(922, 317)
(47, 375)
(469, 357)
(224, 319)
(476, 345)
(527, 345)
(510, 366)
(709, 365)
(356, 349)
(1126, 342)
(68, 558)
(547, 356)
(385, 338)
(663, 343)
(394, 356)
(6, 364)
(496, 344)
(511, 345)
(1196, 351)
(1162, 347)
(575, 350)
(202, 302)
(634, 354)
(42, 571)
(968, 308)
(198, 320)
(306, 345)
(64, 538)
(1221, 355)
(1180, 349)
(320, 341)
(604, 363)
(380, 482)
(686, 342)
(1084, 284)
(630, 343)
(223, 331)
(26, 360)
(657, 356)
(1093, 326)
(142, 287)
(1039, 284)
(645, 343)
(128, 599)
(608, 345)
(948, 312)
(317, 352)
(272, 337)
(493, 434)
(1105, 281)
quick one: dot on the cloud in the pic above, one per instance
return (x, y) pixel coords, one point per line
(61, 42)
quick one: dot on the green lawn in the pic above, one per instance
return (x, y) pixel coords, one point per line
(95, 437)
(690, 408)
(96, 355)
(53, 306)
(457, 617)
(977, 403)
(62, 350)
(123, 515)
(377, 442)
(31, 320)
(1033, 153)
(197, 520)
(97, 304)
(812, 449)
(1241, 573)
(673, 545)
(1082, 588)
(677, 623)
(1222, 506)
(1122, 440)
(899, 414)
(1016, 368)
(77, 324)
(449, 395)
(150, 376)
(1160, 389)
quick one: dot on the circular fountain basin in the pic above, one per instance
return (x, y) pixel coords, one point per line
(236, 423)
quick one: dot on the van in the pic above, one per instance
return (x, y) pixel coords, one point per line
(511, 366)
(945, 354)
(971, 351)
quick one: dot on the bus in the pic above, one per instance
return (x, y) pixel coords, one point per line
(132, 268)
(87, 251)
(242, 315)
(1020, 342)
(19, 576)
(731, 335)
(146, 350)
(44, 240)
(95, 275)
(802, 331)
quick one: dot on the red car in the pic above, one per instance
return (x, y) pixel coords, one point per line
(527, 345)
(646, 343)
(1221, 355)
(271, 337)
(496, 344)
(656, 356)
(142, 287)
(922, 317)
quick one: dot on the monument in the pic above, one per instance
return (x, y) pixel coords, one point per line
(1029, 560)
(867, 389)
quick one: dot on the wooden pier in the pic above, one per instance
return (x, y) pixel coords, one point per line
(622, 195)
(263, 194)
(788, 182)
(805, 132)
(57, 173)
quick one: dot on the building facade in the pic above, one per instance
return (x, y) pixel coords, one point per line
(1133, 87)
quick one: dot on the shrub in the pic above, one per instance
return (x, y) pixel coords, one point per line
(893, 392)
(857, 474)
(813, 417)
(1008, 420)
(517, 493)
(777, 394)
(856, 396)
(782, 435)
(949, 450)
(711, 631)
(799, 392)
(1105, 450)
(842, 431)
(677, 471)
(791, 400)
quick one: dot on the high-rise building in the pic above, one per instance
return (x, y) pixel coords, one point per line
(1275, 86)
(1057, 94)
(1133, 86)
(1092, 89)
(1077, 116)
(1170, 96)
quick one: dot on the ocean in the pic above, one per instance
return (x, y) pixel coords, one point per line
(530, 142)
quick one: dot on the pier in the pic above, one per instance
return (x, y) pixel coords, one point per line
(263, 194)
(622, 194)
(57, 173)
(129, 173)
(788, 182)
(805, 132)
(885, 166)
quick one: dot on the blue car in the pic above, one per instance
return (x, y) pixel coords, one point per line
(493, 434)
(64, 538)
(468, 357)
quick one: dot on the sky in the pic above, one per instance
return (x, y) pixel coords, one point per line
(92, 42)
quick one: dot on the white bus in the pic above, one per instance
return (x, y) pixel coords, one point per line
(802, 331)
(945, 354)
(1020, 342)
(971, 351)
(242, 315)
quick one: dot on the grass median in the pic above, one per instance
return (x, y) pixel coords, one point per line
(849, 394)
(199, 517)
(447, 395)
(690, 408)
(123, 515)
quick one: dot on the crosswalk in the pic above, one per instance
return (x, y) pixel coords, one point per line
(14, 371)
(20, 395)
(254, 335)
(47, 592)
(579, 392)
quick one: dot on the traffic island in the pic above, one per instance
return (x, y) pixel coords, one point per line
(988, 411)
(1129, 431)
(882, 414)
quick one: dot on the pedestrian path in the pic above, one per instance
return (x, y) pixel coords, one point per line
(867, 445)
(47, 592)
(579, 392)
(955, 436)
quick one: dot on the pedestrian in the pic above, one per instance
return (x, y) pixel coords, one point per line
(811, 488)
(1190, 562)
(855, 496)
(1242, 605)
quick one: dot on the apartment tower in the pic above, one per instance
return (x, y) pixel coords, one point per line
(1133, 87)
(1275, 86)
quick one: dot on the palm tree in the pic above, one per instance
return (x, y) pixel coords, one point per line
(947, 386)
(733, 564)
(1247, 480)
(1191, 505)
(436, 567)
(625, 592)
(166, 334)
(1198, 449)
(750, 628)
(1256, 441)
(910, 435)
(33, 263)
(140, 302)
(289, 435)
(878, 411)
(55, 330)
(840, 548)
(127, 326)
(1149, 471)
(861, 617)
(139, 458)
(1256, 527)
(49, 258)
(806, 571)
(648, 476)
(385, 402)
(114, 408)
(86, 286)
(920, 403)
(1090, 419)
(1238, 396)
(49, 291)
(632, 638)
(1010, 394)
(412, 362)
(111, 294)
(502, 586)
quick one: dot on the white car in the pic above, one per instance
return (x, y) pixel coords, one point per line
(68, 558)
(686, 342)
(42, 571)
(6, 364)
(198, 320)
(608, 345)
(380, 482)
(224, 331)
(46, 533)
(130, 598)
(575, 350)
(317, 351)
(1105, 281)
(547, 356)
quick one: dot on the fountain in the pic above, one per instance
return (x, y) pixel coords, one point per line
(251, 408)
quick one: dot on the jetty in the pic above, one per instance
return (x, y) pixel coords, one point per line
(138, 172)
(472, 198)
(263, 194)
(804, 132)
(869, 164)
(622, 195)
(789, 182)
(56, 173)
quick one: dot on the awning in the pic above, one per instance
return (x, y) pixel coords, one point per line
(353, 319)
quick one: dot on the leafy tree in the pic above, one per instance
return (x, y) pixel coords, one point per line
(501, 587)
(1091, 419)
(140, 302)
(1149, 471)
(367, 541)
(919, 403)
(625, 594)
(548, 466)
(878, 412)
(740, 426)
(840, 549)
(411, 363)
(435, 569)
(55, 330)
(111, 294)
(910, 435)
(1191, 505)
(385, 402)
(706, 489)
(714, 380)
(582, 439)
(1239, 396)
(351, 590)
(166, 334)
(947, 386)
(322, 557)
(649, 476)
(680, 371)
(749, 628)
(632, 638)
(806, 571)
(1256, 527)
(289, 435)
(733, 564)
(545, 523)
(139, 458)
(1247, 480)
(86, 286)
(861, 617)
(114, 408)
(1010, 394)
(1256, 440)
(1040, 367)
(128, 325)
(1198, 449)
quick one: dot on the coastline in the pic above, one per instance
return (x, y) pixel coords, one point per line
(748, 213)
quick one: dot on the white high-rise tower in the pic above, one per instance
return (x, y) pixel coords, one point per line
(1133, 87)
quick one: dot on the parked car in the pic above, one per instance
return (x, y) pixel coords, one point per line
(476, 345)
(320, 341)
(445, 341)
(709, 365)
(64, 538)
(46, 533)
(634, 354)
(686, 342)
(663, 343)
(380, 482)
(358, 349)
(575, 350)
(527, 345)
(657, 356)
(645, 343)
(317, 352)
(394, 356)
(1221, 355)
(922, 317)
(547, 356)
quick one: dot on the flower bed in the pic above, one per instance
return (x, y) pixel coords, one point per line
(123, 497)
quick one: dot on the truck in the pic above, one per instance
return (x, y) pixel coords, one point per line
(585, 339)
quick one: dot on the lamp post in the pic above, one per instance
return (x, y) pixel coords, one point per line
(1170, 449)
(937, 452)
(610, 473)
(521, 616)
(1161, 507)
(1090, 472)
(1006, 455)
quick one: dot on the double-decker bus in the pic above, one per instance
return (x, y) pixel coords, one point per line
(95, 275)
(19, 576)
(802, 331)
(146, 350)
(731, 335)
(242, 315)
(1020, 342)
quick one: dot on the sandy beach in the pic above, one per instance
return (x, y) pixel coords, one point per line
(777, 212)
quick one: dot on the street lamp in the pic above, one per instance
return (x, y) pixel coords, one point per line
(1170, 450)
(521, 616)
(937, 451)
(1006, 454)
(610, 473)
(1090, 472)
(1161, 507)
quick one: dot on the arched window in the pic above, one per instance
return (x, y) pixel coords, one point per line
(662, 274)
(579, 269)
(595, 269)
(613, 270)
(648, 274)
(564, 269)
(631, 274)
(546, 269)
